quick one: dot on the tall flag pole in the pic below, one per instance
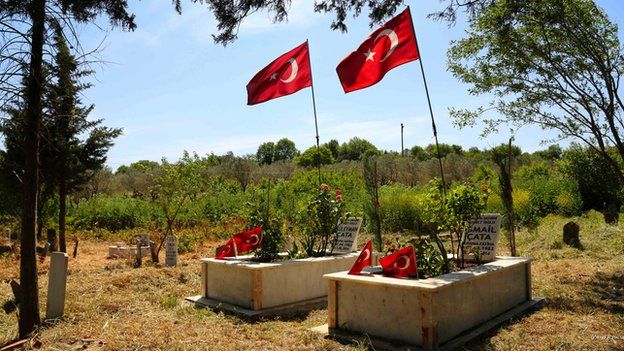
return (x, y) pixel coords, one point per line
(390, 46)
(433, 124)
(318, 143)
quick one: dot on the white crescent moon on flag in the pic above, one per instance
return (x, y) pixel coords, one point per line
(257, 239)
(367, 255)
(294, 70)
(394, 41)
(407, 261)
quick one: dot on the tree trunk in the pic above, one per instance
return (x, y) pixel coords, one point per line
(29, 316)
(62, 211)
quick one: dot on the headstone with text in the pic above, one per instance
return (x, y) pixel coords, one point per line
(345, 239)
(482, 237)
(171, 251)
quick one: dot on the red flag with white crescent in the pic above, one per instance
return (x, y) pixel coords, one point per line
(227, 250)
(248, 240)
(365, 259)
(286, 75)
(400, 263)
(389, 46)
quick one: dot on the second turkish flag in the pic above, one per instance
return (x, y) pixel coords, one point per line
(286, 75)
(388, 47)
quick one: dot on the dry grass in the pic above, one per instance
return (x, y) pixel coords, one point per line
(112, 306)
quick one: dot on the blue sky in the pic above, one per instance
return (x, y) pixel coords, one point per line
(172, 89)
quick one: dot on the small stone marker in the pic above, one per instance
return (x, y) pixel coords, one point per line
(571, 234)
(346, 235)
(171, 251)
(144, 239)
(57, 285)
(483, 235)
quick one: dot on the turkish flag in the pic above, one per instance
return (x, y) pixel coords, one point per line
(248, 240)
(227, 250)
(388, 47)
(365, 259)
(286, 75)
(400, 263)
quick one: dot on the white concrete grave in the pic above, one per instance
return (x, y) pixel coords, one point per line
(57, 285)
(483, 235)
(171, 251)
(253, 289)
(125, 251)
(346, 235)
(428, 313)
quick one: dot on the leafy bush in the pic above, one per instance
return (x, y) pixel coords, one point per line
(402, 209)
(112, 213)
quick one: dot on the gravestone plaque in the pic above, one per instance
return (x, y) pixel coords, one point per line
(171, 251)
(346, 235)
(483, 235)
(57, 284)
(143, 238)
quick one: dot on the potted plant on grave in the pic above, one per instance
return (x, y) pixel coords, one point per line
(321, 220)
(455, 209)
(272, 236)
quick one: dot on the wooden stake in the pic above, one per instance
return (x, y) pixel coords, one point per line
(75, 247)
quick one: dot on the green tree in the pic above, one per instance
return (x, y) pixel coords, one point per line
(552, 153)
(334, 147)
(445, 150)
(69, 161)
(419, 153)
(355, 148)
(266, 153)
(310, 157)
(551, 63)
(598, 184)
(285, 150)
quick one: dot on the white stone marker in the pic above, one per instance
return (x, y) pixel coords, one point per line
(56, 285)
(171, 251)
(483, 235)
(346, 235)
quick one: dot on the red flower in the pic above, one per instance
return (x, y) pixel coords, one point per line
(338, 197)
(338, 191)
(376, 202)
(484, 187)
(325, 187)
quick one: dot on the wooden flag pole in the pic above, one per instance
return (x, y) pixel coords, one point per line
(433, 124)
(318, 144)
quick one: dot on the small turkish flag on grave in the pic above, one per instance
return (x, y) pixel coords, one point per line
(248, 240)
(400, 263)
(388, 47)
(227, 250)
(365, 259)
(286, 75)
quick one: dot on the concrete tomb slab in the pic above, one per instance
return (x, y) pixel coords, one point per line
(427, 313)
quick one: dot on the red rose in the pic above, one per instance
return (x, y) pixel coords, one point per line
(338, 191)
(325, 187)
(338, 197)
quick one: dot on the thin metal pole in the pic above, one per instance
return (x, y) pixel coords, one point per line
(402, 148)
(433, 124)
(318, 145)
